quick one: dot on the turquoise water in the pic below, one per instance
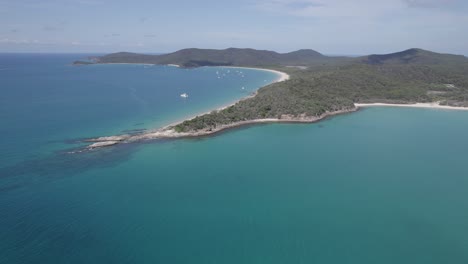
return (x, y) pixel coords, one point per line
(384, 185)
(45, 100)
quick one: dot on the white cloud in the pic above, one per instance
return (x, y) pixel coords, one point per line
(430, 3)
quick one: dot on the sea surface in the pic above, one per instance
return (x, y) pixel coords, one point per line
(383, 185)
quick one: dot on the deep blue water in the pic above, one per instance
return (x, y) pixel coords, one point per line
(384, 185)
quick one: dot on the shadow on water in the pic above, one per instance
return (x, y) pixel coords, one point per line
(69, 162)
(62, 164)
(76, 160)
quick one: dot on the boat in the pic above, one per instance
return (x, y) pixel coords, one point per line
(184, 95)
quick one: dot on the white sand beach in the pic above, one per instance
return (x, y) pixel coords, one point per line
(434, 105)
(282, 76)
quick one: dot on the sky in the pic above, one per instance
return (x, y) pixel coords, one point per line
(344, 27)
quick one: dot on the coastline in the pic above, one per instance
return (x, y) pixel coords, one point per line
(125, 63)
(433, 105)
(282, 76)
(168, 131)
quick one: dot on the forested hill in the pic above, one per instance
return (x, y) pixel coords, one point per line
(415, 56)
(227, 57)
(250, 57)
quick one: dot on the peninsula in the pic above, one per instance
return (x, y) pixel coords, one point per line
(313, 86)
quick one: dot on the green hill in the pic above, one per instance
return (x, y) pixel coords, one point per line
(415, 56)
(226, 57)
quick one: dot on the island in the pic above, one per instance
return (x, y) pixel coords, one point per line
(313, 87)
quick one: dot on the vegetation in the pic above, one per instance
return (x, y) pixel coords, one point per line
(328, 84)
(227, 57)
(82, 62)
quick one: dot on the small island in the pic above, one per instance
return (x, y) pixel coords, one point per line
(312, 86)
(76, 63)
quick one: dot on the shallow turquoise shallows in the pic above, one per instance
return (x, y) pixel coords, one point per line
(383, 185)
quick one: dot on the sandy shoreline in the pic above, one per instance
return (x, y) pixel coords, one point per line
(282, 76)
(434, 105)
(126, 63)
(169, 132)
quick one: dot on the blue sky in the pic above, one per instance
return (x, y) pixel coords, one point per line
(328, 26)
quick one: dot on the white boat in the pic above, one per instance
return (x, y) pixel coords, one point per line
(184, 95)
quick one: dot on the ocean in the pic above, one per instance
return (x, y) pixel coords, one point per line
(382, 185)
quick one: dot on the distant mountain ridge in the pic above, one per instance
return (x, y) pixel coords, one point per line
(194, 57)
(210, 57)
(414, 56)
